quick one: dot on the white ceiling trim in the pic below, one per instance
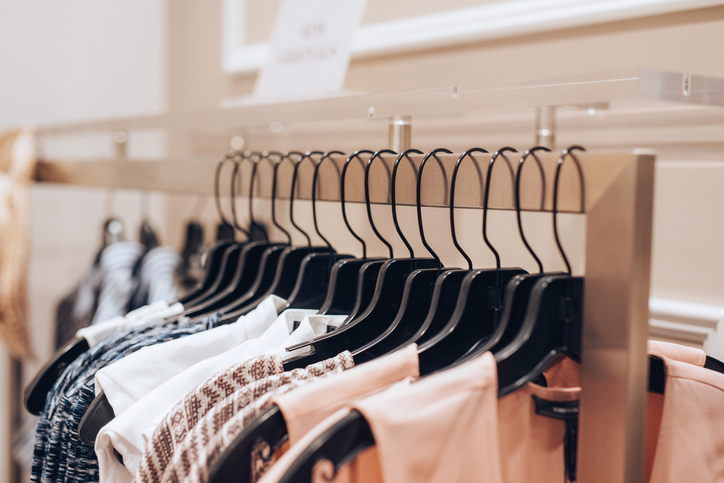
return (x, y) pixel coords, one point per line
(485, 22)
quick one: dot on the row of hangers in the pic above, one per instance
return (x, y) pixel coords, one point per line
(454, 315)
(382, 297)
(516, 315)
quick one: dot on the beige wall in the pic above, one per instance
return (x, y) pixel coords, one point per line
(689, 216)
(64, 62)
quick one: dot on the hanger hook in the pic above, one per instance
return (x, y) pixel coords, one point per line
(393, 193)
(288, 157)
(487, 194)
(307, 155)
(314, 191)
(217, 190)
(376, 155)
(530, 152)
(238, 160)
(266, 155)
(433, 154)
(343, 177)
(567, 152)
(467, 153)
(257, 157)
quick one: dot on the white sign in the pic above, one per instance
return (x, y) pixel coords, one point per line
(310, 48)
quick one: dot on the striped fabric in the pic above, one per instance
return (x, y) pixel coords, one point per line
(59, 454)
(156, 278)
(118, 283)
(204, 441)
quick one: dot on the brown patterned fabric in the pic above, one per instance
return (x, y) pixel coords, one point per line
(17, 168)
(197, 403)
(204, 443)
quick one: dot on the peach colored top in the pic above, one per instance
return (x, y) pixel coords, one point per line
(655, 402)
(430, 431)
(450, 412)
(677, 352)
(426, 432)
(532, 445)
(688, 417)
(307, 406)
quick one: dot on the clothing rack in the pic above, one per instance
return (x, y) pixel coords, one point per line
(618, 206)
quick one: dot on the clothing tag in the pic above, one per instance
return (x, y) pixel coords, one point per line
(556, 409)
(566, 411)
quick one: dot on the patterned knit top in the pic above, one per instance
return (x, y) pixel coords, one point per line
(178, 444)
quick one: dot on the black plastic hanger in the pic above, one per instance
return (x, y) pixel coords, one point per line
(235, 464)
(385, 302)
(552, 321)
(657, 372)
(192, 253)
(447, 286)
(247, 269)
(368, 271)
(347, 277)
(419, 286)
(147, 235)
(271, 256)
(478, 306)
(238, 257)
(217, 257)
(518, 291)
(37, 391)
(339, 445)
(291, 257)
(310, 290)
(193, 241)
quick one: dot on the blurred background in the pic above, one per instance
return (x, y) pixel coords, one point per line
(78, 60)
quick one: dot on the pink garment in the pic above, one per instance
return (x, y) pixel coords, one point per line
(434, 430)
(307, 406)
(690, 442)
(532, 445)
(425, 435)
(677, 352)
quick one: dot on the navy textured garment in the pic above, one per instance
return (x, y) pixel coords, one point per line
(59, 454)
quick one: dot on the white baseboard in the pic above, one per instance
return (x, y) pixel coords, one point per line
(689, 323)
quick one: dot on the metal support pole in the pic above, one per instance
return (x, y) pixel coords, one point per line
(121, 139)
(545, 127)
(400, 137)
